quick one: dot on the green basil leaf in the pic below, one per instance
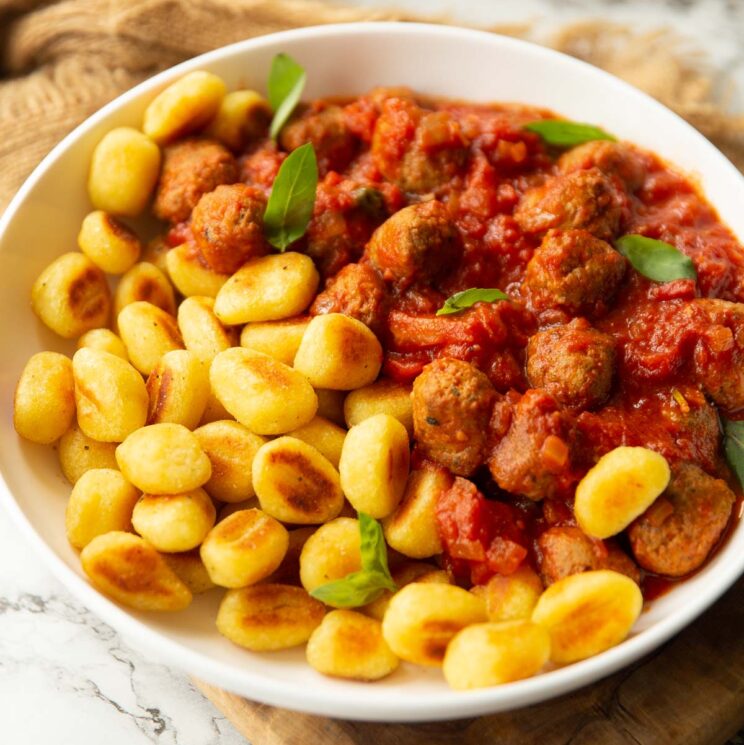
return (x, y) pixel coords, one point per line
(655, 259)
(733, 446)
(467, 298)
(560, 133)
(286, 81)
(358, 588)
(292, 199)
(373, 548)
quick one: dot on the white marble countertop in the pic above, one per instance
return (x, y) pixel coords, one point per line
(65, 676)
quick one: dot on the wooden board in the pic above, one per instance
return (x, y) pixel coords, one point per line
(689, 692)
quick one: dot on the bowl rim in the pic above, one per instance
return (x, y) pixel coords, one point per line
(353, 702)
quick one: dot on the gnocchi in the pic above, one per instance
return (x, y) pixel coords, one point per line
(381, 397)
(104, 340)
(148, 332)
(202, 333)
(144, 282)
(324, 436)
(108, 243)
(178, 389)
(190, 273)
(242, 116)
(79, 453)
(279, 339)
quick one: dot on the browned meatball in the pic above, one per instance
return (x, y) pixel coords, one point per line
(191, 168)
(563, 551)
(418, 150)
(452, 402)
(575, 272)
(334, 143)
(719, 353)
(532, 455)
(586, 200)
(612, 158)
(573, 362)
(356, 291)
(676, 533)
(418, 243)
(227, 225)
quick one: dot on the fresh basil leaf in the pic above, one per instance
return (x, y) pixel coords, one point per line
(733, 446)
(560, 133)
(366, 585)
(467, 298)
(292, 199)
(286, 81)
(655, 259)
(358, 588)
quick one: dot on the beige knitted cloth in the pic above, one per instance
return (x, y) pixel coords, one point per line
(60, 61)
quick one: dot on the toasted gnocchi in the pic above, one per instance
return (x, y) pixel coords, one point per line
(279, 339)
(190, 569)
(128, 569)
(422, 619)
(202, 333)
(348, 644)
(104, 340)
(331, 405)
(242, 116)
(178, 389)
(263, 394)
(190, 273)
(324, 436)
(244, 548)
(44, 402)
(79, 453)
(381, 397)
(268, 617)
(587, 613)
(164, 459)
(71, 296)
(338, 352)
(148, 332)
(102, 501)
(511, 597)
(374, 465)
(295, 484)
(108, 243)
(144, 282)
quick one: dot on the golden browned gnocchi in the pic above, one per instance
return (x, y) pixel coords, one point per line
(511, 597)
(229, 508)
(144, 282)
(128, 569)
(123, 172)
(268, 617)
(263, 394)
(489, 654)
(191, 274)
(374, 465)
(44, 402)
(331, 405)
(242, 116)
(190, 569)
(231, 448)
(381, 397)
(186, 105)
(338, 352)
(412, 527)
(215, 411)
(288, 572)
(148, 332)
(330, 553)
(279, 339)
(174, 522)
(104, 340)
(164, 459)
(110, 395)
(324, 436)
(622, 485)
(244, 548)
(268, 288)
(155, 252)
(102, 500)
(108, 243)
(79, 453)
(178, 389)
(422, 619)
(348, 644)
(295, 483)
(71, 296)
(202, 333)
(587, 613)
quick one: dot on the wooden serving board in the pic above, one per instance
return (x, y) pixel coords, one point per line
(689, 692)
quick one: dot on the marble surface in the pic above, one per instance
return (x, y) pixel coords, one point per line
(65, 676)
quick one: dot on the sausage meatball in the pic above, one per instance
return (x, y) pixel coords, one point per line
(612, 158)
(584, 200)
(418, 150)
(452, 402)
(573, 362)
(190, 169)
(574, 272)
(356, 291)
(563, 551)
(324, 126)
(719, 353)
(531, 456)
(676, 533)
(419, 242)
(227, 225)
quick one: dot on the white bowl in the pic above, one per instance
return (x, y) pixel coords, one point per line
(43, 220)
